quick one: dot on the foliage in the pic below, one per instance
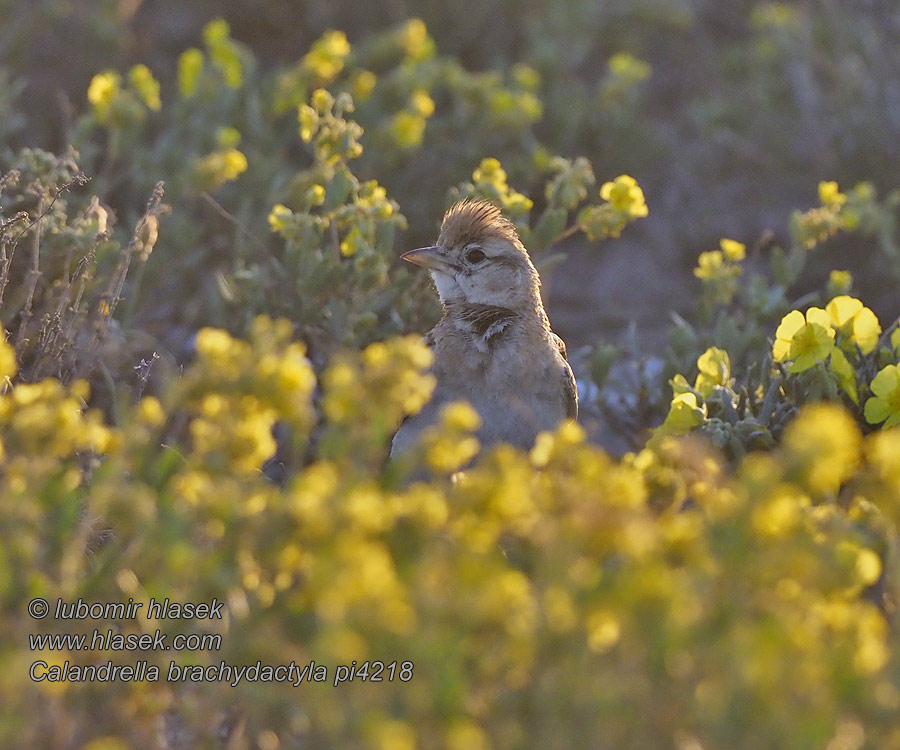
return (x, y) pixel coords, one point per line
(648, 601)
(836, 353)
(730, 582)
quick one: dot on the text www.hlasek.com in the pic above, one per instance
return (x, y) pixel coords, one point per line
(109, 639)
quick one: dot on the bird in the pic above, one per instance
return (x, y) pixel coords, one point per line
(493, 346)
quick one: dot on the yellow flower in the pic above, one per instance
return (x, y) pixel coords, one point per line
(839, 282)
(625, 195)
(190, 66)
(146, 86)
(407, 129)
(684, 414)
(825, 442)
(362, 84)
(326, 58)
(858, 323)
(884, 406)
(102, 91)
(491, 172)
(219, 167)
(461, 417)
(734, 250)
(830, 195)
(466, 735)
(279, 217)
(715, 369)
(322, 101)
(804, 340)
(421, 103)
(709, 265)
(415, 40)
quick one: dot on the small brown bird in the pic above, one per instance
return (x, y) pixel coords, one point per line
(493, 346)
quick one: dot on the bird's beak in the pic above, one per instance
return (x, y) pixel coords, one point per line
(427, 257)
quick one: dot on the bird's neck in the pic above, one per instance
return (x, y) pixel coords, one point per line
(489, 320)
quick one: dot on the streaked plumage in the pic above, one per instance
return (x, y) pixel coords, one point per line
(493, 346)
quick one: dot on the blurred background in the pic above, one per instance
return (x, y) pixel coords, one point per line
(728, 114)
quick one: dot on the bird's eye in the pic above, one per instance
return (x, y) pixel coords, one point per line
(475, 255)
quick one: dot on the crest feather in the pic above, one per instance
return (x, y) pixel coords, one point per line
(472, 220)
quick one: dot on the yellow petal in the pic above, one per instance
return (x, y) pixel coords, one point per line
(818, 315)
(790, 324)
(866, 330)
(842, 309)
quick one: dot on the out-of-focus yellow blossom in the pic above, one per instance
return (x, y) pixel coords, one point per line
(363, 84)
(466, 735)
(150, 411)
(224, 52)
(327, 56)
(227, 137)
(407, 129)
(49, 419)
(603, 630)
(395, 372)
(709, 264)
(884, 405)
(146, 85)
(414, 39)
(102, 92)
(830, 195)
(625, 196)
(811, 227)
(279, 217)
(490, 171)
(190, 67)
(421, 103)
(780, 512)
(733, 250)
(804, 340)
(394, 735)
(219, 167)
(526, 76)
(450, 445)
(824, 442)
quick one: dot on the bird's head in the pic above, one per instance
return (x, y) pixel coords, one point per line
(479, 259)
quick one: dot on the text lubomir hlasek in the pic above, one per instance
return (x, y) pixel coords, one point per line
(156, 610)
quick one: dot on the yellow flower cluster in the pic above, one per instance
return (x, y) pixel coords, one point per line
(624, 203)
(115, 105)
(240, 389)
(507, 585)
(224, 52)
(327, 56)
(844, 327)
(390, 372)
(190, 67)
(719, 269)
(216, 168)
(809, 228)
(45, 425)
(489, 181)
